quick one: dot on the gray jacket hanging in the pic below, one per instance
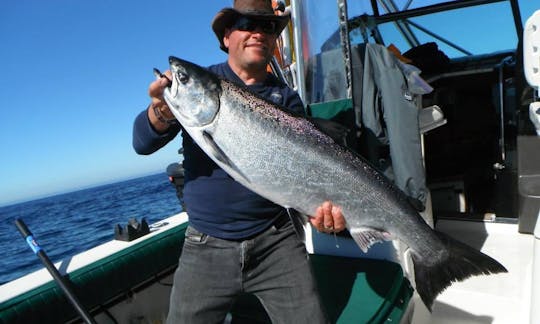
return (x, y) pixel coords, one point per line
(388, 115)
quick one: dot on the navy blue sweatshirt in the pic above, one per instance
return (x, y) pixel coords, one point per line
(217, 205)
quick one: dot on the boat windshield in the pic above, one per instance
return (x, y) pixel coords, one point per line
(480, 27)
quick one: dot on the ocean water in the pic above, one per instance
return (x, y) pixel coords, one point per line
(67, 224)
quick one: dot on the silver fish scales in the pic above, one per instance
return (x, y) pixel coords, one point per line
(286, 159)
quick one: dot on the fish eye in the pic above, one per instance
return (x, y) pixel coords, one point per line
(182, 77)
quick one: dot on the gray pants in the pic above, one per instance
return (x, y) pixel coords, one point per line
(273, 266)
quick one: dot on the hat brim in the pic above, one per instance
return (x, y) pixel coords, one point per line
(226, 17)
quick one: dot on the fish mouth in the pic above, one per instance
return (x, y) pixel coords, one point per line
(201, 90)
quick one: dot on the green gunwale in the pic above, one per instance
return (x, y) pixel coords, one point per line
(115, 275)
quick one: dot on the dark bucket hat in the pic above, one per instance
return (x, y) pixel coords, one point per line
(256, 9)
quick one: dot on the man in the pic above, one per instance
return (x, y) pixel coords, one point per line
(237, 242)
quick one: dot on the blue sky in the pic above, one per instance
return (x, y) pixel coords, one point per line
(74, 74)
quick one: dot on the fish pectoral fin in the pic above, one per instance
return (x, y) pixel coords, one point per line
(218, 153)
(365, 237)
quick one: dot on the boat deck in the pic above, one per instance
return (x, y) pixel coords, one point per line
(502, 298)
(495, 299)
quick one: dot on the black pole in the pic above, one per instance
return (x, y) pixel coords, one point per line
(60, 280)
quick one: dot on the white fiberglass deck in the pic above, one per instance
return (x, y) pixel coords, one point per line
(495, 299)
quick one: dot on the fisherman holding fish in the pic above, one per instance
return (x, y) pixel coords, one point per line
(238, 242)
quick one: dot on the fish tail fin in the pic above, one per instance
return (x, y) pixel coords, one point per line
(462, 262)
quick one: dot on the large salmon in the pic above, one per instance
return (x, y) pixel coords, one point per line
(287, 160)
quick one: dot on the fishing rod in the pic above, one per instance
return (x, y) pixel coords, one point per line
(60, 280)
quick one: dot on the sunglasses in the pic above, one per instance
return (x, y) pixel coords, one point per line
(247, 24)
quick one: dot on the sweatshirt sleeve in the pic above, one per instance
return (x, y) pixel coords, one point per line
(145, 138)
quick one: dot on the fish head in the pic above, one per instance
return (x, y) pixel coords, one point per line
(193, 96)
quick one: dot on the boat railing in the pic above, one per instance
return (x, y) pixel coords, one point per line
(531, 45)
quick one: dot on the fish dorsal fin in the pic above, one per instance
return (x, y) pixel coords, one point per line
(218, 153)
(365, 237)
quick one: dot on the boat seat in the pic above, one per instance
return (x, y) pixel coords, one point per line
(361, 290)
